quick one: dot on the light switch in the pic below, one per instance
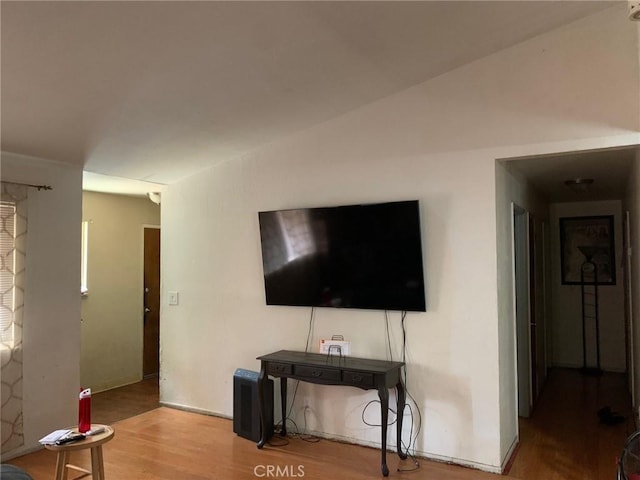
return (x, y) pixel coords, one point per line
(173, 298)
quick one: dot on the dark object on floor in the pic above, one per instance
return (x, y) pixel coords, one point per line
(11, 472)
(246, 414)
(629, 461)
(609, 417)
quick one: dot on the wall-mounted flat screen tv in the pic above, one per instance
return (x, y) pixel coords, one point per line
(355, 256)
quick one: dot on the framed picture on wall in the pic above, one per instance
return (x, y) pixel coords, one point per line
(587, 239)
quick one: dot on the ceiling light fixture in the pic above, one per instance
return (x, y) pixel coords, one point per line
(154, 197)
(579, 185)
(634, 10)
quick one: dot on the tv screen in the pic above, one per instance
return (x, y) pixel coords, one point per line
(355, 256)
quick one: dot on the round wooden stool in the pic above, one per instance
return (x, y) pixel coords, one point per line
(94, 442)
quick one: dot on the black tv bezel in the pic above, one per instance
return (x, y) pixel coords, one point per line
(412, 308)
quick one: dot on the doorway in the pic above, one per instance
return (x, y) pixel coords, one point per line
(151, 335)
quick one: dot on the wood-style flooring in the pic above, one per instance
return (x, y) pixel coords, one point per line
(125, 402)
(563, 440)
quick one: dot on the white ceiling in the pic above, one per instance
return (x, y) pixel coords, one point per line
(157, 91)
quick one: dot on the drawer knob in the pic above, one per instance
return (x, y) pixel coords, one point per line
(357, 378)
(316, 373)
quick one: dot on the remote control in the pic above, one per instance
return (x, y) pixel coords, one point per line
(70, 438)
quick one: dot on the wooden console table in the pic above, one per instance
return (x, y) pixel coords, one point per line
(363, 373)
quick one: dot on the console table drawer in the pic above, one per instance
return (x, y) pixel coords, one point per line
(317, 373)
(279, 368)
(357, 379)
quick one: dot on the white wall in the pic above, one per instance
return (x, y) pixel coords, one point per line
(112, 317)
(511, 188)
(437, 142)
(566, 331)
(51, 333)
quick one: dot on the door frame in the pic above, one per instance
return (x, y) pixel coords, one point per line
(630, 344)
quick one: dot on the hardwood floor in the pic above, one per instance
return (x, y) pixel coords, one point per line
(563, 440)
(125, 402)
(168, 444)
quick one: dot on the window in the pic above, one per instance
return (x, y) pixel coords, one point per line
(7, 271)
(13, 261)
(84, 286)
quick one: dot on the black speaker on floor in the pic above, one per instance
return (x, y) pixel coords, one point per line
(246, 416)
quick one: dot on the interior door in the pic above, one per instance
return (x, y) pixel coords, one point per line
(538, 306)
(522, 310)
(533, 311)
(151, 339)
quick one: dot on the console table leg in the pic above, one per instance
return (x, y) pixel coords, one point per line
(283, 405)
(401, 396)
(383, 393)
(263, 430)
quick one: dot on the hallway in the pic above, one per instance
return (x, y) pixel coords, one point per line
(564, 438)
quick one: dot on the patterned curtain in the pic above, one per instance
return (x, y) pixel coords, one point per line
(13, 234)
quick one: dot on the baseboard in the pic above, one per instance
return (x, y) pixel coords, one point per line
(460, 462)
(510, 457)
(115, 384)
(338, 438)
(200, 411)
(416, 454)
